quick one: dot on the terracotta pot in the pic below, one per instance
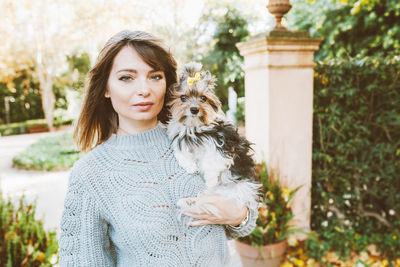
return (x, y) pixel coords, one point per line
(266, 256)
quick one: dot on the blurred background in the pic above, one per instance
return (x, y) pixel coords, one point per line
(48, 46)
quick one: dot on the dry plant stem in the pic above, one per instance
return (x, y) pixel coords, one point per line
(339, 214)
(320, 134)
(364, 213)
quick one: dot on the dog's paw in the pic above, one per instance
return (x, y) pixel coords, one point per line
(192, 169)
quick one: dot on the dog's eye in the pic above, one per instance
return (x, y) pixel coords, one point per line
(183, 98)
(203, 98)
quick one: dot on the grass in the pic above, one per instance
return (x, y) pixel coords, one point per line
(49, 154)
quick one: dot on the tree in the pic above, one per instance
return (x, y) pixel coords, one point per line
(224, 60)
(350, 27)
(46, 38)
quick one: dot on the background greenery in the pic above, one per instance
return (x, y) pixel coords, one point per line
(356, 153)
(23, 240)
(49, 154)
(25, 91)
(350, 28)
(224, 60)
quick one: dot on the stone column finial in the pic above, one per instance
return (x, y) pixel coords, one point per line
(279, 8)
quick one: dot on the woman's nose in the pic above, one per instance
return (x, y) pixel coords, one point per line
(143, 87)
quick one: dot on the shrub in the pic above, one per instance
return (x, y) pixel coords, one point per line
(356, 154)
(22, 127)
(274, 214)
(26, 102)
(23, 241)
(49, 154)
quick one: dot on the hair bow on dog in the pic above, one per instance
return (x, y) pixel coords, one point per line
(196, 78)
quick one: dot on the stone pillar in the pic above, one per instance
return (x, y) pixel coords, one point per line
(279, 108)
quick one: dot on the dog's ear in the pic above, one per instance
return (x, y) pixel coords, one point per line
(209, 80)
(175, 87)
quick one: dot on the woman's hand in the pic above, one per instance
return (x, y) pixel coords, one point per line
(228, 211)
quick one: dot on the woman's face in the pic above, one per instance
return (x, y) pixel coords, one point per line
(136, 91)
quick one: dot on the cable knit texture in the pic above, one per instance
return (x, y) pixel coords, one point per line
(120, 209)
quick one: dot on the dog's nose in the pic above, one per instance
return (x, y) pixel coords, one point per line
(194, 110)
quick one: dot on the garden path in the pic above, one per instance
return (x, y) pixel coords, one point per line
(48, 188)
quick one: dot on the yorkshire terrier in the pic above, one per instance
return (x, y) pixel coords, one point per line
(205, 142)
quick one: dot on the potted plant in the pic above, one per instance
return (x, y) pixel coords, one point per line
(266, 245)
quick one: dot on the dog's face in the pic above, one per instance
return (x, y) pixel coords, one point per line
(193, 101)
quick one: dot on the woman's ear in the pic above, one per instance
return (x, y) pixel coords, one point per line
(107, 93)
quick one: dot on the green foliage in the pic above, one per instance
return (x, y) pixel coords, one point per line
(26, 102)
(240, 112)
(22, 127)
(275, 213)
(224, 61)
(74, 78)
(356, 154)
(23, 241)
(49, 154)
(350, 27)
(79, 66)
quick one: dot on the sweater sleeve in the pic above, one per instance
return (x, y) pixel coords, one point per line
(84, 237)
(247, 228)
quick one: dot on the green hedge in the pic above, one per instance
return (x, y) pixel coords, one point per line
(49, 154)
(356, 154)
(23, 241)
(22, 127)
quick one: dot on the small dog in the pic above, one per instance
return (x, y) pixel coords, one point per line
(205, 142)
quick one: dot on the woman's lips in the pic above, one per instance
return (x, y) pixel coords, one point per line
(143, 106)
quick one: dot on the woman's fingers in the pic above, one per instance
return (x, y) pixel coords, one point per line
(200, 216)
(200, 223)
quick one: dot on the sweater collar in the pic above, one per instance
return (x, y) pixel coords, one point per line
(153, 136)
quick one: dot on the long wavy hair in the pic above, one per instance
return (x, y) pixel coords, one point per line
(98, 119)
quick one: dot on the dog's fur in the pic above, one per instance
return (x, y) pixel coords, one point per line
(204, 141)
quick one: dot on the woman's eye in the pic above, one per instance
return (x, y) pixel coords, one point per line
(183, 98)
(125, 78)
(157, 77)
(203, 98)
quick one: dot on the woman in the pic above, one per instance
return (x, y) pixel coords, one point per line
(120, 208)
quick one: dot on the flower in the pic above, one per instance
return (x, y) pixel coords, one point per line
(286, 193)
(40, 256)
(195, 78)
(310, 262)
(30, 249)
(53, 259)
(263, 212)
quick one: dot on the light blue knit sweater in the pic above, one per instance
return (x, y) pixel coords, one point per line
(120, 209)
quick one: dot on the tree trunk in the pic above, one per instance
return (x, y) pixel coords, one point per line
(48, 101)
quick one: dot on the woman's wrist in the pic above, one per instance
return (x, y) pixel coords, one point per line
(242, 223)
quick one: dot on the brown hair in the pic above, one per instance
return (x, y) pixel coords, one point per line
(98, 119)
